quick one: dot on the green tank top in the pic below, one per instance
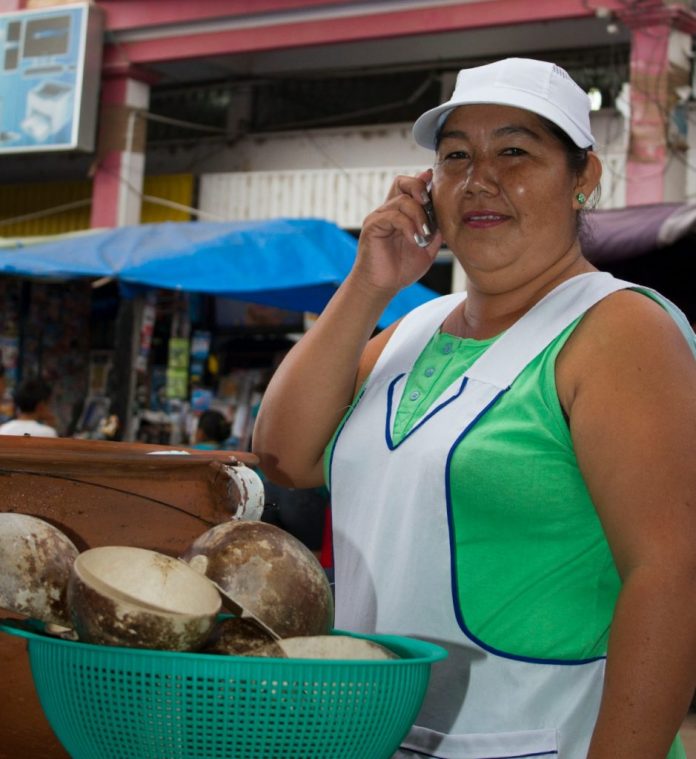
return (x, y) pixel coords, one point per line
(535, 572)
(535, 575)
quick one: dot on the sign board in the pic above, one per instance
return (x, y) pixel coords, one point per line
(50, 66)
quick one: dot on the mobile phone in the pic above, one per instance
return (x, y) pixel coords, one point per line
(423, 242)
(430, 214)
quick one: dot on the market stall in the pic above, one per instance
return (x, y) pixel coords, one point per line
(158, 322)
(193, 300)
(294, 264)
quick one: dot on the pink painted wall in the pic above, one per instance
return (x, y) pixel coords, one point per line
(282, 25)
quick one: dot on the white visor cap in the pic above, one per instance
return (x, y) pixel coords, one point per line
(537, 86)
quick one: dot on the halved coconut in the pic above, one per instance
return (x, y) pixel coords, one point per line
(269, 573)
(35, 563)
(237, 636)
(124, 596)
(326, 647)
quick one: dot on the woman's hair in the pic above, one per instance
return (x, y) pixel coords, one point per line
(576, 159)
(214, 426)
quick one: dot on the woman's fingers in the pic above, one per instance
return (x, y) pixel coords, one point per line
(408, 215)
(397, 243)
(416, 187)
(413, 200)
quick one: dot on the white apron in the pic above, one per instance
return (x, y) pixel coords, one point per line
(393, 559)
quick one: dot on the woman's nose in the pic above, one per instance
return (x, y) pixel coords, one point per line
(480, 177)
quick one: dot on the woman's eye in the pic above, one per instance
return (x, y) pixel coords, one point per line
(513, 151)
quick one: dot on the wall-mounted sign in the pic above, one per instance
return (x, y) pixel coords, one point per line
(50, 64)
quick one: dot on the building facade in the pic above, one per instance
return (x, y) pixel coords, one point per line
(303, 107)
(225, 110)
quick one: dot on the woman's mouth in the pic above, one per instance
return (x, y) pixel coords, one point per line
(483, 219)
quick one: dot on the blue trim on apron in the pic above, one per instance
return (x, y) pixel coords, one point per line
(390, 401)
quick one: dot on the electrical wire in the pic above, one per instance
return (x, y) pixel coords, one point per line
(88, 201)
(46, 212)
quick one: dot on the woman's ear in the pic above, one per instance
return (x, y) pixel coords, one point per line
(587, 180)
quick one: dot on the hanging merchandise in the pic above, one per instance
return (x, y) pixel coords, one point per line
(95, 411)
(177, 368)
(178, 354)
(10, 317)
(201, 399)
(100, 363)
(9, 355)
(158, 388)
(200, 348)
(147, 328)
(55, 345)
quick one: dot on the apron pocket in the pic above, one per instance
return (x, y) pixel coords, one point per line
(522, 744)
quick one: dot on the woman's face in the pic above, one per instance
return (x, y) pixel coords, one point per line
(503, 192)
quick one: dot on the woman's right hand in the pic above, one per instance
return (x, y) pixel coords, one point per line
(389, 257)
(313, 387)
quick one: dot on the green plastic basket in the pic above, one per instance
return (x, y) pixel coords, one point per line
(105, 702)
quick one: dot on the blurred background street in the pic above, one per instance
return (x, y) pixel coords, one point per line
(182, 189)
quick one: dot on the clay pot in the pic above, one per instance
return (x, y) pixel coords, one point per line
(269, 573)
(35, 563)
(123, 596)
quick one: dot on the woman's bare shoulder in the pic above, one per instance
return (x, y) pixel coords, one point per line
(628, 319)
(625, 332)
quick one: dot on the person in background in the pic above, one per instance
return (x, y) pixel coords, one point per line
(301, 512)
(33, 414)
(511, 468)
(212, 431)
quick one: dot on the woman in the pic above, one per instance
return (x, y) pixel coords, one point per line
(513, 478)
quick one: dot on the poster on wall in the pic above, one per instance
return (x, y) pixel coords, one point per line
(177, 368)
(50, 63)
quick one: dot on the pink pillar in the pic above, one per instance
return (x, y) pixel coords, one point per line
(120, 161)
(660, 66)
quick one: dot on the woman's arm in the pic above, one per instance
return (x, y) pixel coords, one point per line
(628, 382)
(313, 387)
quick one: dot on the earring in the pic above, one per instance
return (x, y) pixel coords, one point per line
(581, 198)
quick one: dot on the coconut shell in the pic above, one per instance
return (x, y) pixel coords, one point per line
(340, 647)
(237, 637)
(35, 563)
(123, 596)
(269, 573)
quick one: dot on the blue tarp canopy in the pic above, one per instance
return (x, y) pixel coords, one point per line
(295, 264)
